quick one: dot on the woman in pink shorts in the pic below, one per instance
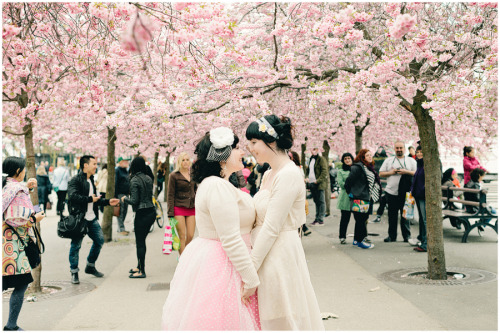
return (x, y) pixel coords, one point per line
(180, 199)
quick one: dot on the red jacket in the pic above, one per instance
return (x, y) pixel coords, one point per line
(469, 165)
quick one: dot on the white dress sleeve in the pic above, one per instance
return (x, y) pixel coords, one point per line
(224, 212)
(283, 195)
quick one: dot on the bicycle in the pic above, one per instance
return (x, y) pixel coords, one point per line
(159, 214)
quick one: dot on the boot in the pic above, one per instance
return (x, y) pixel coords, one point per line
(74, 278)
(93, 271)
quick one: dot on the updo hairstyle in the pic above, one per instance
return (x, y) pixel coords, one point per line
(282, 126)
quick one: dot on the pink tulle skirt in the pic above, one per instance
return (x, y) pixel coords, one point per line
(205, 292)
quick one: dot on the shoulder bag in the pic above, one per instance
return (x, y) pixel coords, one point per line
(31, 249)
(72, 226)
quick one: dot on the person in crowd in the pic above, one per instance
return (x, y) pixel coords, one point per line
(181, 200)
(418, 192)
(363, 183)
(399, 171)
(61, 179)
(102, 182)
(255, 177)
(294, 156)
(83, 199)
(19, 215)
(215, 272)
(333, 176)
(246, 173)
(318, 172)
(289, 303)
(380, 152)
(141, 199)
(44, 187)
(161, 176)
(475, 182)
(122, 188)
(412, 152)
(343, 201)
(450, 178)
(46, 165)
(381, 208)
(470, 163)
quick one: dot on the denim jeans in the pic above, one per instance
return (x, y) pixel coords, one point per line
(319, 201)
(123, 213)
(422, 223)
(95, 233)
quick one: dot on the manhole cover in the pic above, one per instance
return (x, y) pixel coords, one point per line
(158, 286)
(54, 290)
(457, 276)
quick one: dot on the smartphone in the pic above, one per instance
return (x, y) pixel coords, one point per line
(37, 209)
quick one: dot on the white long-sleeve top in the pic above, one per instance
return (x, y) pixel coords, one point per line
(225, 213)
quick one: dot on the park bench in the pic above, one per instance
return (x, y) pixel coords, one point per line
(459, 217)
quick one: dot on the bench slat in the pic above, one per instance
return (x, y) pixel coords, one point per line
(455, 213)
(465, 202)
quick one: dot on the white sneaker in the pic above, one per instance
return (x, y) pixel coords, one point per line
(413, 242)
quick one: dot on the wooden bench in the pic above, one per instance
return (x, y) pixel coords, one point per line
(458, 217)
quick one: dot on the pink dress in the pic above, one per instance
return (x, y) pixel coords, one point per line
(205, 292)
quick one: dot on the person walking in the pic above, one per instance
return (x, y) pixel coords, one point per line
(418, 192)
(122, 188)
(286, 296)
(255, 178)
(83, 199)
(181, 200)
(318, 173)
(343, 202)
(44, 187)
(214, 284)
(161, 176)
(61, 179)
(363, 186)
(102, 182)
(470, 163)
(399, 171)
(18, 218)
(294, 156)
(141, 199)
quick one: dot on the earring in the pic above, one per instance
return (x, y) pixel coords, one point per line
(222, 171)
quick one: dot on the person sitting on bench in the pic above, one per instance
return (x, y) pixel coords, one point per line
(476, 176)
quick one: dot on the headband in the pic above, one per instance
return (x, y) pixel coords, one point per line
(264, 126)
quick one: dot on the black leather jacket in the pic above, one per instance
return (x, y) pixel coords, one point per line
(141, 192)
(78, 195)
(357, 183)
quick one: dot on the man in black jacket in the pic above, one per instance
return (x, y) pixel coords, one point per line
(122, 188)
(83, 198)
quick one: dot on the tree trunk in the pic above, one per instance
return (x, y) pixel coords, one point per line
(107, 220)
(31, 173)
(303, 157)
(155, 174)
(328, 194)
(358, 137)
(435, 245)
(167, 175)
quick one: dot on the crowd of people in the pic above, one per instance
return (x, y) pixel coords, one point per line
(249, 217)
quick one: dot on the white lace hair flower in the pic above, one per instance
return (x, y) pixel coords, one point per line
(221, 137)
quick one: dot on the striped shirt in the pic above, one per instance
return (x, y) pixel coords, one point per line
(374, 186)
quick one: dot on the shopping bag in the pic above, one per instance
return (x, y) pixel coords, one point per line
(360, 206)
(176, 242)
(167, 240)
(409, 207)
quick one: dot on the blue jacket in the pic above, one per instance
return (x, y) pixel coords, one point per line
(418, 184)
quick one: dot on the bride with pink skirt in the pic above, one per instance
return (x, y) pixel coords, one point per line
(214, 285)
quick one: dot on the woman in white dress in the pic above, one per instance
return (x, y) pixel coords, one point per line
(214, 285)
(286, 297)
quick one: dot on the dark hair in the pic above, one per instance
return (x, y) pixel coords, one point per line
(138, 164)
(476, 173)
(346, 167)
(447, 175)
(85, 159)
(10, 166)
(263, 168)
(467, 149)
(361, 157)
(104, 166)
(295, 158)
(202, 168)
(418, 148)
(282, 126)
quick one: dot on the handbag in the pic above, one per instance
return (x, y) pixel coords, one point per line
(48, 205)
(360, 206)
(409, 207)
(176, 242)
(167, 240)
(72, 226)
(32, 250)
(116, 210)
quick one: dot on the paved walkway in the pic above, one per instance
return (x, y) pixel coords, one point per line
(346, 281)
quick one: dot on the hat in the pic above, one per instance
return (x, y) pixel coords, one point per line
(123, 159)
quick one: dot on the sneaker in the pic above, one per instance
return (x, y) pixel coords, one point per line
(321, 223)
(419, 249)
(355, 243)
(74, 278)
(413, 242)
(342, 241)
(376, 220)
(316, 222)
(367, 240)
(389, 239)
(364, 245)
(307, 233)
(124, 233)
(91, 270)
